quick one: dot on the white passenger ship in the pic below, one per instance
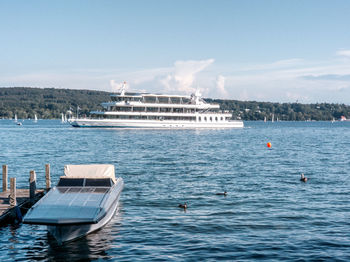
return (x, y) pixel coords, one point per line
(143, 110)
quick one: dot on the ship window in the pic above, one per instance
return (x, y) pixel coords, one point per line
(210, 119)
(216, 118)
(178, 110)
(199, 119)
(139, 109)
(186, 100)
(163, 100)
(152, 109)
(164, 109)
(134, 98)
(124, 109)
(150, 99)
(68, 182)
(221, 118)
(98, 182)
(205, 118)
(175, 100)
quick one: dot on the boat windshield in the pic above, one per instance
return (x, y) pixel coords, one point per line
(71, 182)
(85, 182)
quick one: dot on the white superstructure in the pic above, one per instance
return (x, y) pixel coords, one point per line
(143, 110)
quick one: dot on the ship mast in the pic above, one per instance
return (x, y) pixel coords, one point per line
(122, 89)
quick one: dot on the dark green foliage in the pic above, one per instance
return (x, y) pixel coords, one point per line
(49, 103)
(251, 110)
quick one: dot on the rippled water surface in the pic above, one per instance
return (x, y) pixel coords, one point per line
(268, 213)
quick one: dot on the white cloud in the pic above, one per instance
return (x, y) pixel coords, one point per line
(220, 85)
(183, 75)
(280, 81)
(117, 86)
(305, 81)
(344, 53)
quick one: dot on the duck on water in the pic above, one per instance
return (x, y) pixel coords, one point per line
(303, 178)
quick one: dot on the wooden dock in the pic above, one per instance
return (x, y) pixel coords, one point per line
(8, 214)
(14, 203)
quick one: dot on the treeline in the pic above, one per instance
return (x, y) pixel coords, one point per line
(251, 110)
(49, 103)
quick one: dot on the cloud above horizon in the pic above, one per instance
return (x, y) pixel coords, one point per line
(343, 52)
(182, 76)
(285, 80)
(220, 86)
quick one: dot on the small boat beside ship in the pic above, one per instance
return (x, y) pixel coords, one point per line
(144, 110)
(84, 200)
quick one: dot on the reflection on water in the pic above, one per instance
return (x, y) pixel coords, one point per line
(91, 247)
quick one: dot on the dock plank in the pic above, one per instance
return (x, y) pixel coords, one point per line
(22, 197)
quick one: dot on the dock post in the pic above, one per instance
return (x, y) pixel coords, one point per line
(47, 175)
(4, 178)
(32, 185)
(13, 200)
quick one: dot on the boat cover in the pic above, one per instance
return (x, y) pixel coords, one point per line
(90, 171)
(77, 204)
(68, 205)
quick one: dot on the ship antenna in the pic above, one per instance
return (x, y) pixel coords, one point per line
(197, 96)
(122, 89)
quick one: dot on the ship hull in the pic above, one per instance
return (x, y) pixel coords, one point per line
(66, 233)
(158, 124)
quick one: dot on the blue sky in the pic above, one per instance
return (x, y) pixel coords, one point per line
(280, 51)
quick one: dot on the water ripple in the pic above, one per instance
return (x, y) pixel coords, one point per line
(268, 214)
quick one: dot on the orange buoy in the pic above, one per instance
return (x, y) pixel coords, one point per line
(268, 145)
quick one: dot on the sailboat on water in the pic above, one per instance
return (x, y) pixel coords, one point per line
(17, 123)
(273, 118)
(63, 118)
(35, 119)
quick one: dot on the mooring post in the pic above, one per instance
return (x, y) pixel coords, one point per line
(32, 185)
(47, 175)
(4, 178)
(13, 200)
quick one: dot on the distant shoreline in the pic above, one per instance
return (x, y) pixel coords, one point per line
(50, 103)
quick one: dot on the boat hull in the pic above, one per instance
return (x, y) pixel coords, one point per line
(65, 233)
(102, 123)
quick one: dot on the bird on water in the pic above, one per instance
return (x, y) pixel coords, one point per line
(184, 206)
(303, 178)
(222, 194)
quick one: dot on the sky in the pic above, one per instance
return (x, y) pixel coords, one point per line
(262, 50)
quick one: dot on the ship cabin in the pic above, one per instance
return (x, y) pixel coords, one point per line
(161, 107)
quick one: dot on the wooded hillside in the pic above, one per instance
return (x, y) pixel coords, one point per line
(49, 103)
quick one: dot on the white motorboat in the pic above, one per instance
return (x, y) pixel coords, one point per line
(84, 200)
(143, 110)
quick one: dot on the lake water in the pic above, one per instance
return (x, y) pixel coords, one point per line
(268, 213)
